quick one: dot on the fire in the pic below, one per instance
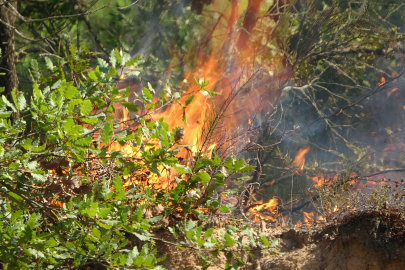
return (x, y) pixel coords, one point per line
(309, 218)
(392, 91)
(265, 211)
(299, 160)
(382, 81)
(228, 42)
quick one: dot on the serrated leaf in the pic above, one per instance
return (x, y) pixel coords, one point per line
(38, 178)
(209, 244)
(117, 55)
(274, 243)
(84, 142)
(239, 164)
(48, 63)
(189, 225)
(92, 75)
(216, 161)
(86, 107)
(102, 63)
(142, 237)
(202, 177)
(189, 234)
(34, 65)
(91, 121)
(247, 169)
(113, 60)
(72, 50)
(106, 132)
(103, 212)
(8, 103)
(228, 241)
(147, 95)
(264, 241)
(22, 102)
(151, 88)
(133, 61)
(5, 114)
(130, 106)
(119, 190)
(208, 232)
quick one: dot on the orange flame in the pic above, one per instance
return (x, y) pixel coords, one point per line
(382, 81)
(227, 40)
(299, 160)
(392, 91)
(309, 218)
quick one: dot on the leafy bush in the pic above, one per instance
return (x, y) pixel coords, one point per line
(70, 198)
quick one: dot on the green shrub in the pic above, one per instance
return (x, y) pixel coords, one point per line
(69, 199)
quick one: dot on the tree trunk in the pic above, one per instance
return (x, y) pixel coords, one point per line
(7, 60)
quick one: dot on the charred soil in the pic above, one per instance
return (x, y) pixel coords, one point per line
(372, 240)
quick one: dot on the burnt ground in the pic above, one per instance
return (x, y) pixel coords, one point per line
(369, 240)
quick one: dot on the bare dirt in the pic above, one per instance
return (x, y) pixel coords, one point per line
(371, 240)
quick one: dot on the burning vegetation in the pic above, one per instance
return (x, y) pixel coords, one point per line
(278, 113)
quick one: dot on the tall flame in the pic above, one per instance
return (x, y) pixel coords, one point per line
(236, 56)
(299, 160)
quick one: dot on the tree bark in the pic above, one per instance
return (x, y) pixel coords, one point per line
(7, 60)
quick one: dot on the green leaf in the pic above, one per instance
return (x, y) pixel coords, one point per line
(91, 121)
(14, 96)
(182, 169)
(119, 189)
(113, 59)
(5, 114)
(239, 164)
(8, 103)
(224, 209)
(146, 94)
(151, 88)
(134, 253)
(189, 225)
(274, 243)
(86, 107)
(228, 241)
(202, 177)
(142, 237)
(15, 196)
(34, 65)
(117, 55)
(106, 132)
(103, 212)
(92, 75)
(133, 61)
(216, 160)
(189, 99)
(21, 101)
(72, 50)
(247, 169)
(229, 164)
(264, 241)
(130, 106)
(190, 234)
(84, 142)
(48, 63)
(209, 232)
(38, 178)
(92, 210)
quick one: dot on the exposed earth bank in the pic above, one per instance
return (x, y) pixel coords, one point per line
(369, 240)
